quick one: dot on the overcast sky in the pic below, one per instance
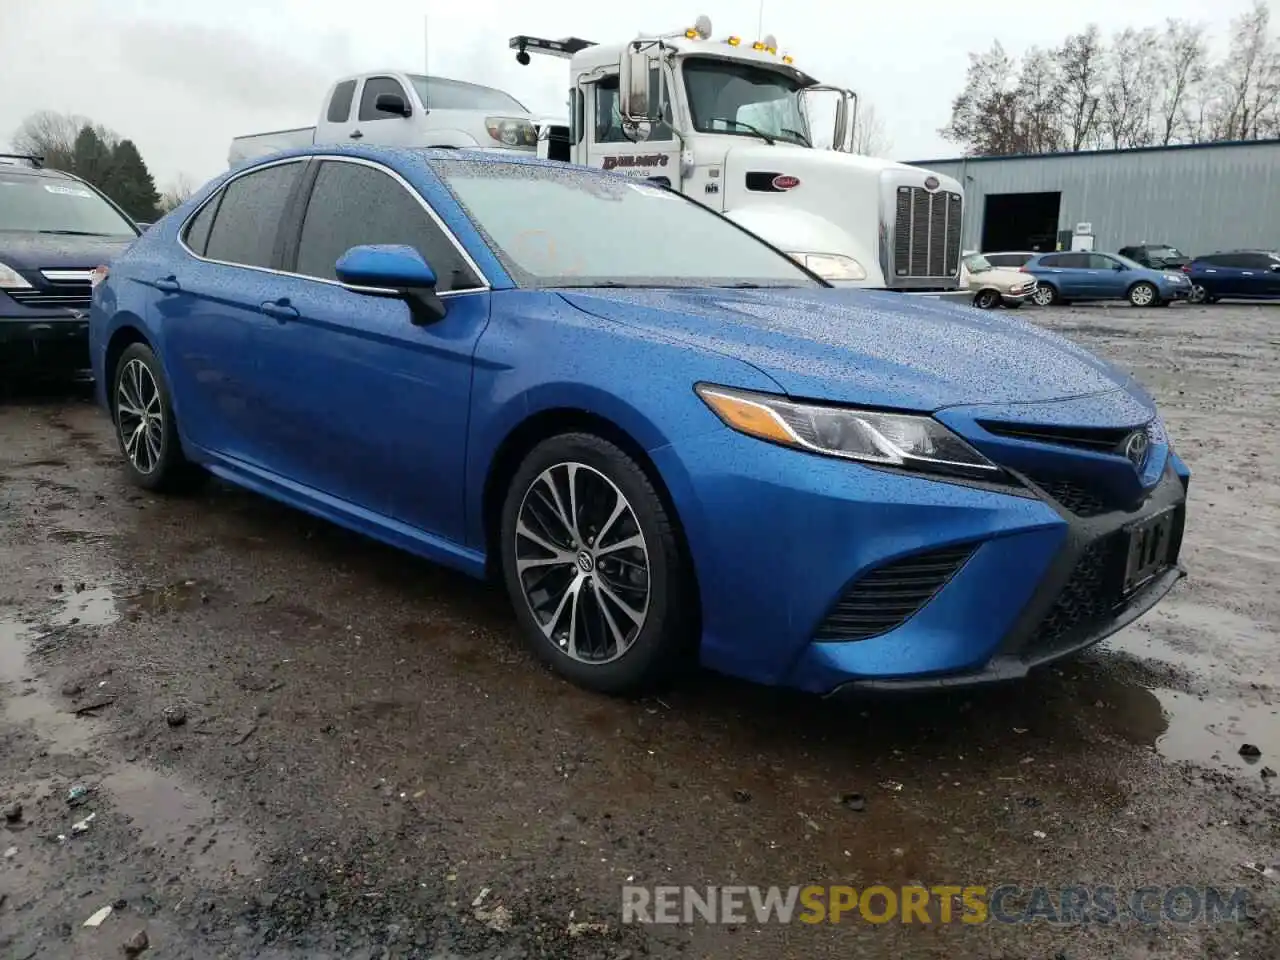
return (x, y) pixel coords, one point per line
(181, 77)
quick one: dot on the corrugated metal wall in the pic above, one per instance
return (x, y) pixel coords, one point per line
(1199, 199)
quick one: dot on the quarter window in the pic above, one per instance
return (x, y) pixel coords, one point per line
(354, 204)
(197, 235)
(249, 215)
(340, 105)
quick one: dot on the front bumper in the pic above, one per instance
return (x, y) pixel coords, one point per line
(44, 345)
(779, 539)
(1017, 299)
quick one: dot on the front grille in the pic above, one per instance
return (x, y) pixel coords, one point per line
(888, 596)
(74, 296)
(926, 237)
(1077, 498)
(1099, 439)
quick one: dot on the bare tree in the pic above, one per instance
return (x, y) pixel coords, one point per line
(1249, 78)
(176, 194)
(1082, 66)
(1129, 88)
(52, 135)
(1182, 65)
(869, 136)
(1039, 99)
(984, 114)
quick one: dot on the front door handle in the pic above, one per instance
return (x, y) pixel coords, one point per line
(356, 135)
(281, 309)
(168, 284)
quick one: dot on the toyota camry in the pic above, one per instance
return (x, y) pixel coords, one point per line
(668, 439)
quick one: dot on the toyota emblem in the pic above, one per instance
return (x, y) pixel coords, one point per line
(1135, 448)
(932, 183)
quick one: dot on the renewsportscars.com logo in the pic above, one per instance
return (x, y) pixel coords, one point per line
(942, 904)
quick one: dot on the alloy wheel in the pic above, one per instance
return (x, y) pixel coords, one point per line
(1043, 295)
(1197, 293)
(1142, 295)
(140, 416)
(582, 563)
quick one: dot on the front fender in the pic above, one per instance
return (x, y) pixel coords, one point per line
(798, 231)
(450, 138)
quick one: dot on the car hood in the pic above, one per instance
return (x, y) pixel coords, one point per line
(1002, 278)
(42, 251)
(866, 347)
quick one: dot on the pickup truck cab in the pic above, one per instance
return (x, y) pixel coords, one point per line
(397, 109)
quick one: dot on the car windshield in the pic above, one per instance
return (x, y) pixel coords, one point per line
(1165, 253)
(555, 226)
(744, 100)
(47, 205)
(438, 93)
(976, 263)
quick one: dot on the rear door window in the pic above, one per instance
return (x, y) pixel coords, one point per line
(248, 219)
(1074, 261)
(354, 204)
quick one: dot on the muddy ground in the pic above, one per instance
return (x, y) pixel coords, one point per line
(298, 743)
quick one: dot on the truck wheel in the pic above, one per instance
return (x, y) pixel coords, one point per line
(987, 300)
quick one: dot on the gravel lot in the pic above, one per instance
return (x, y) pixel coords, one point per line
(298, 743)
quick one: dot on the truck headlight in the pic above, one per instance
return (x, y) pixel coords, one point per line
(512, 131)
(831, 266)
(909, 441)
(11, 279)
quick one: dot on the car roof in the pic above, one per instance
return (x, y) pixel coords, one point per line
(8, 166)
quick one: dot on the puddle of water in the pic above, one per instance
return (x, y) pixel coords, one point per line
(66, 732)
(1210, 731)
(90, 608)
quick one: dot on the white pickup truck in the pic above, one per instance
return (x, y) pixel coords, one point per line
(406, 110)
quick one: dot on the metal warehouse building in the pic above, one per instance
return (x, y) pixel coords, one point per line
(1198, 197)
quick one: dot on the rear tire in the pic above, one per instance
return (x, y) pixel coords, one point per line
(145, 425)
(1143, 294)
(613, 618)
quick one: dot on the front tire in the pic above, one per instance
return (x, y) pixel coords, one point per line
(1045, 295)
(145, 424)
(594, 566)
(1144, 294)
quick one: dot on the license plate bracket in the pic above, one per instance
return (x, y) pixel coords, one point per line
(1148, 545)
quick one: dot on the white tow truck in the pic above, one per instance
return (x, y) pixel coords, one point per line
(727, 122)
(405, 110)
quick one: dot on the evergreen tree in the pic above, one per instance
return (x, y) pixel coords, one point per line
(91, 157)
(130, 183)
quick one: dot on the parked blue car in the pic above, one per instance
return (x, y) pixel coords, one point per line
(663, 435)
(1076, 275)
(1238, 274)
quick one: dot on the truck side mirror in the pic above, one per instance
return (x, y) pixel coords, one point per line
(391, 103)
(840, 135)
(633, 87)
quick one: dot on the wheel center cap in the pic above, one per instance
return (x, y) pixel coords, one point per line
(585, 562)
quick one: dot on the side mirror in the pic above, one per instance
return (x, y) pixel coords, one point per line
(1275, 268)
(396, 271)
(633, 87)
(1119, 266)
(144, 227)
(391, 103)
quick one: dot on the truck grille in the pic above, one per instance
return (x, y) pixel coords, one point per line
(926, 237)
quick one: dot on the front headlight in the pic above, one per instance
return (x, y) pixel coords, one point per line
(1173, 277)
(11, 279)
(909, 441)
(831, 266)
(512, 131)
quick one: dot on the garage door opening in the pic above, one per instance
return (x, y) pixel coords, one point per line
(1020, 221)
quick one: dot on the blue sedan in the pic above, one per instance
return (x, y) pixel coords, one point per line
(1076, 275)
(666, 438)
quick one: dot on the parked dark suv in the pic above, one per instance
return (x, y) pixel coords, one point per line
(1240, 274)
(54, 229)
(1157, 256)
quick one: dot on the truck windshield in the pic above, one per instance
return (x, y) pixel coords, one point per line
(745, 100)
(438, 93)
(563, 227)
(40, 204)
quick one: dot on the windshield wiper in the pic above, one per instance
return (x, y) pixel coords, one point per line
(75, 233)
(746, 126)
(798, 135)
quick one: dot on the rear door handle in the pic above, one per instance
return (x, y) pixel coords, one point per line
(168, 284)
(281, 309)
(356, 135)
